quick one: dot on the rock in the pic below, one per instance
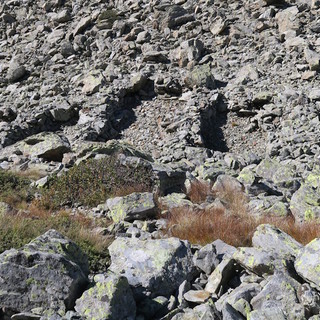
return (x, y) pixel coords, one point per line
(206, 258)
(204, 311)
(221, 275)
(225, 183)
(92, 83)
(197, 296)
(156, 307)
(218, 26)
(62, 112)
(152, 267)
(200, 76)
(48, 146)
(132, 207)
(175, 16)
(305, 202)
(255, 260)
(16, 72)
(50, 261)
(279, 293)
(271, 239)
(307, 263)
(109, 298)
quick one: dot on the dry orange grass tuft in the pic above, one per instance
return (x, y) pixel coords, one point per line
(199, 191)
(234, 225)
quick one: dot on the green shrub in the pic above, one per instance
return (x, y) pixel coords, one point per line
(93, 181)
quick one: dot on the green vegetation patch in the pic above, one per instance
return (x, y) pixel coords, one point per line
(93, 181)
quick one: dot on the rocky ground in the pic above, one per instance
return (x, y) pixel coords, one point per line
(196, 90)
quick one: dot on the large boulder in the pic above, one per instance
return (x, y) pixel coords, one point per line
(135, 206)
(49, 146)
(307, 263)
(45, 276)
(305, 202)
(273, 240)
(110, 298)
(152, 267)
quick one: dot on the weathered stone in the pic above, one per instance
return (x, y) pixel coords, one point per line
(308, 261)
(152, 267)
(49, 273)
(273, 240)
(132, 207)
(109, 298)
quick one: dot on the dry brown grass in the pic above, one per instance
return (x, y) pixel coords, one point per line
(234, 225)
(199, 191)
(20, 227)
(205, 226)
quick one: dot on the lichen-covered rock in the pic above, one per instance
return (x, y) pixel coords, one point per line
(152, 267)
(246, 291)
(201, 76)
(275, 241)
(307, 263)
(205, 311)
(135, 206)
(48, 146)
(280, 292)
(255, 260)
(221, 275)
(47, 275)
(110, 298)
(305, 202)
(276, 172)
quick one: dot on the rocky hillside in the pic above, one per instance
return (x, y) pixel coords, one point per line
(221, 92)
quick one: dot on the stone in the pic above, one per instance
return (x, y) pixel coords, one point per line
(92, 83)
(48, 146)
(16, 72)
(152, 267)
(197, 296)
(204, 311)
(272, 239)
(200, 76)
(62, 112)
(206, 258)
(49, 273)
(136, 206)
(109, 298)
(255, 260)
(305, 202)
(221, 275)
(307, 263)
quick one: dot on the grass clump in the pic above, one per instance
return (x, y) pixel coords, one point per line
(14, 189)
(92, 182)
(17, 230)
(231, 222)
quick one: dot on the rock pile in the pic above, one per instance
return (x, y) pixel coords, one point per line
(224, 91)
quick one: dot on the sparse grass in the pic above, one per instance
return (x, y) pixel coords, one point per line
(19, 229)
(92, 182)
(234, 224)
(14, 189)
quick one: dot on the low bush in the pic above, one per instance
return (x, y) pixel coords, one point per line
(18, 229)
(93, 181)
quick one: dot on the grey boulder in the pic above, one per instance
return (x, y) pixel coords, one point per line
(46, 275)
(152, 267)
(110, 298)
